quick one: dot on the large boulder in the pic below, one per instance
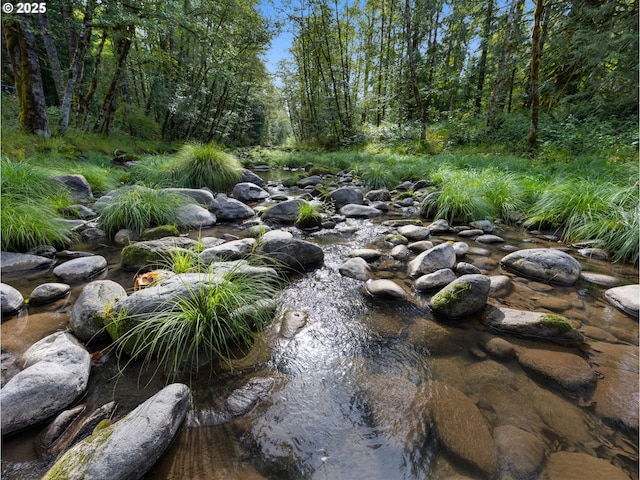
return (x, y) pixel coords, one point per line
(11, 263)
(345, 196)
(88, 314)
(247, 176)
(248, 192)
(11, 300)
(436, 258)
(80, 269)
(462, 429)
(293, 254)
(56, 373)
(544, 264)
(536, 325)
(462, 297)
(283, 213)
(230, 209)
(626, 298)
(128, 448)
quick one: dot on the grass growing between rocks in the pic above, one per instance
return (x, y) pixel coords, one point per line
(139, 208)
(217, 320)
(30, 201)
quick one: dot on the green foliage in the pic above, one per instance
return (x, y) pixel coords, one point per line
(139, 208)
(200, 166)
(379, 175)
(557, 322)
(308, 216)
(30, 201)
(216, 320)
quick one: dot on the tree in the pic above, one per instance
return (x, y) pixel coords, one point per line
(533, 76)
(23, 55)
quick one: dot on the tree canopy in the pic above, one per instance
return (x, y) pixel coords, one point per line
(195, 69)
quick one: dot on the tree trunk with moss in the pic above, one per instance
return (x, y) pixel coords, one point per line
(23, 55)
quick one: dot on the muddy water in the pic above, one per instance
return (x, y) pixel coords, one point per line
(316, 423)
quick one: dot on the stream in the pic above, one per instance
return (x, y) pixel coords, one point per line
(324, 415)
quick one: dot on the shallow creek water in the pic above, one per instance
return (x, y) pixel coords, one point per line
(316, 422)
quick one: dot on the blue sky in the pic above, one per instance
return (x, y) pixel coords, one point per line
(279, 49)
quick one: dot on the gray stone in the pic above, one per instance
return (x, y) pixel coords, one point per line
(381, 195)
(230, 209)
(488, 238)
(499, 348)
(276, 235)
(368, 254)
(11, 300)
(536, 325)
(545, 264)
(48, 292)
(200, 195)
(429, 261)
(127, 449)
(345, 196)
(77, 185)
(500, 284)
(125, 236)
(461, 428)
(311, 181)
(414, 232)
(435, 280)
(11, 262)
(384, 288)
(462, 297)
(580, 466)
(80, 269)
(249, 177)
(233, 250)
(359, 211)
(356, 268)
(485, 225)
(400, 252)
(420, 246)
(244, 399)
(440, 226)
(474, 232)
(460, 248)
(464, 268)
(248, 192)
(600, 279)
(626, 298)
(284, 213)
(194, 216)
(89, 312)
(144, 255)
(56, 373)
(293, 254)
(596, 253)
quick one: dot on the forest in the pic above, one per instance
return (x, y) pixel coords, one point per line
(394, 88)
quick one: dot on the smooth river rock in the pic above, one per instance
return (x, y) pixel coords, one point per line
(293, 254)
(80, 269)
(283, 213)
(544, 264)
(230, 209)
(464, 296)
(626, 298)
(48, 292)
(11, 300)
(352, 210)
(56, 372)
(522, 453)
(248, 192)
(384, 288)
(357, 268)
(580, 466)
(192, 216)
(432, 260)
(435, 280)
(11, 262)
(88, 314)
(128, 448)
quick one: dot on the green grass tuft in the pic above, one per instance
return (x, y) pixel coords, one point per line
(199, 166)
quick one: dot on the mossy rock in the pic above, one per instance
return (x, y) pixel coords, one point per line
(144, 256)
(161, 231)
(462, 297)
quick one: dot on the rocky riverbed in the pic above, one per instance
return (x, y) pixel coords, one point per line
(401, 348)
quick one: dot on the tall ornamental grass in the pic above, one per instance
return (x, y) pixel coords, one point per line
(207, 165)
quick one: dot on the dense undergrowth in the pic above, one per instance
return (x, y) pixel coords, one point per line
(582, 184)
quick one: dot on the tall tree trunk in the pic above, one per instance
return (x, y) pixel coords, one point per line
(52, 55)
(532, 141)
(482, 64)
(93, 84)
(411, 54)
(498, 97)
(23, 54)
(77, 65)
(105, 115)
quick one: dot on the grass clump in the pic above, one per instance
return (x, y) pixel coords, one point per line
(207, 165)
(308, 216)
(557, 322)
(30, 202)
(139, 208)
(217, 319)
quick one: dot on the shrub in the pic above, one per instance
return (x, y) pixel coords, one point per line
(308, 216)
